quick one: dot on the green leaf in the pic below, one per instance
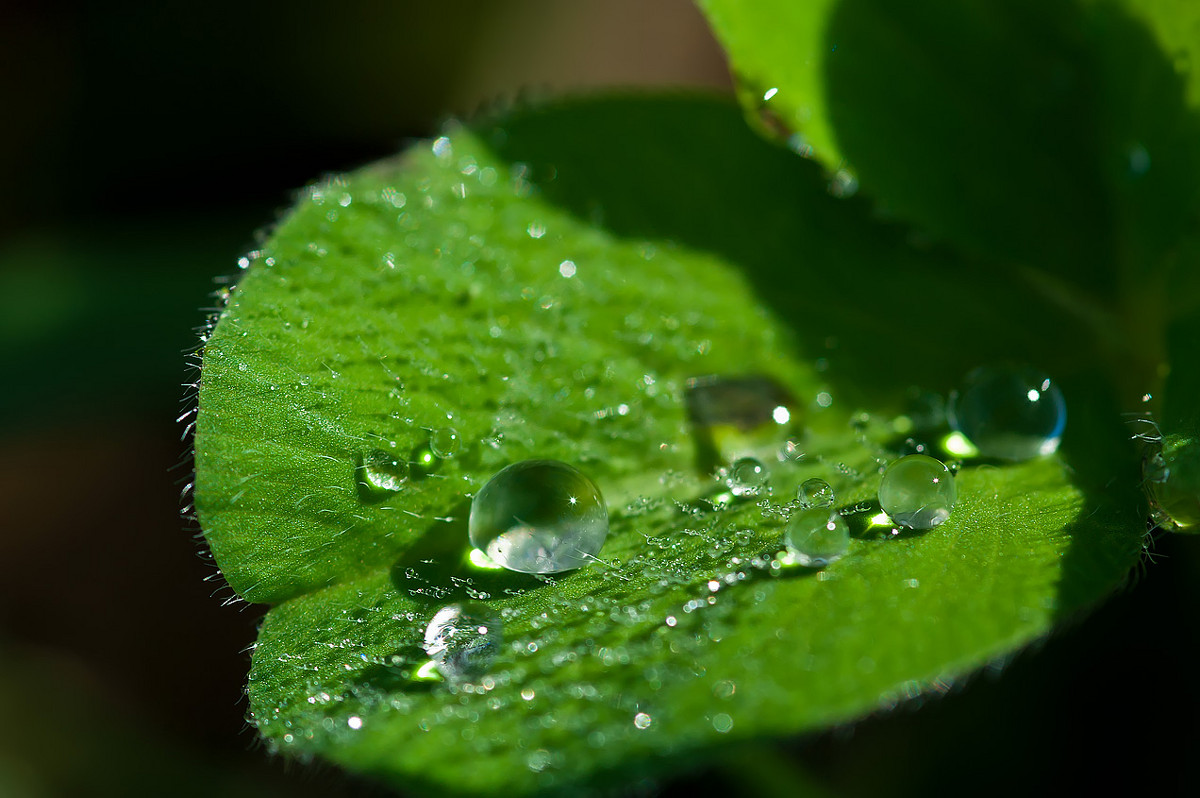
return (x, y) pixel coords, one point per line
(778, 52)
(1055, 135)
(546, 285)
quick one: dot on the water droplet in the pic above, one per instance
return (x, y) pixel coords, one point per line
(747, 477)
(1173, 479)
(463, 640)
(817, 536)
(722, 723)
(444, 443)
(744, 403)
(1010, 413)
(539, 517)
(917, 491)
(815, 492)
(642, 720)
(381, 472)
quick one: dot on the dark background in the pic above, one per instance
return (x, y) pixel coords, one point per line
(142, 146)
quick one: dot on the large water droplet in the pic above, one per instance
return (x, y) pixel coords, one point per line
(917, 491)
(381, 472)
(1011, 413)
(539, 517)
(817, 536)
(1173, 479)
(747, 477)
(463, 639)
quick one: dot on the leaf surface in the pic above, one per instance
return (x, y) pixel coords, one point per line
(546, 285)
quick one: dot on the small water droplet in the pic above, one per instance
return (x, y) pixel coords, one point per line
(463, 640)
(917, 491)
(381, 472)
(747, 477)
(540, 517)
(642, 721)
(817, 536)
(1010, 413)
(815, 492)
(444, 443)
(722, 723)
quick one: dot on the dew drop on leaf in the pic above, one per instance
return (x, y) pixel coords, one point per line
(747, 477)
(381, 472)
(917, 491)
(1172, 477)
(815, 492)
(817, 536)
(444, 443)
(463, 640)
(1009, 412)
(539, 517)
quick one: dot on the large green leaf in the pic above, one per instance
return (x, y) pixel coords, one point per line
(1058, 135)
(546, 285)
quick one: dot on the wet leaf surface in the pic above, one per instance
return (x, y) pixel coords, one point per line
(546, 286)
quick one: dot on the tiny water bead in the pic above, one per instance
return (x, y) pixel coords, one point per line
(746, 477)
(1010, 413)
(381, 472)
(817, 536)
(463, 640)
(539, 517)
(815, 492)
(917, 491)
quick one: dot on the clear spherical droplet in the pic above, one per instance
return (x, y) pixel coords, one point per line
(463, 640)
(444, 443)
(747, 477)
(815, 492)
(381, 472)
(917, 491)
(1010, 413)
(817, 536)
(539, 517)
